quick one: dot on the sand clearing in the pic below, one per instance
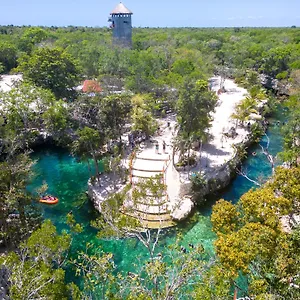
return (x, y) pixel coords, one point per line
(219, 149)
(7, 81)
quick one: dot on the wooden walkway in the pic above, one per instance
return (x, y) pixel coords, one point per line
(152, 212)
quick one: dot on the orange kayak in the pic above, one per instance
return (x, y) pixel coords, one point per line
(49, 200)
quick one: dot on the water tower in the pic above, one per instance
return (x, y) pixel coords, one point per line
(121, 25)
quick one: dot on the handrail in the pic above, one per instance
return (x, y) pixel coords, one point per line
(165, 175)
(130, 166)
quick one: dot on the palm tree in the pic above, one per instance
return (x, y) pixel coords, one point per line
(243, 110)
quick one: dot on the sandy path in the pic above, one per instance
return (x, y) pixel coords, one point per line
(220, 149)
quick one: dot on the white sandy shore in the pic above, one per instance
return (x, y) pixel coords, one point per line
(219, 149)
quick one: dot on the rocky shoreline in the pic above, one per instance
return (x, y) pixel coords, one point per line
(214, 181)
(218, 179)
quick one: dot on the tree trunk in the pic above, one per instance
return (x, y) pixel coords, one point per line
(188, 162)
(97, 168)
(114, 174)
(21, 211)
(4, 226)
(173, 156)
(89, 168)
(200, 152)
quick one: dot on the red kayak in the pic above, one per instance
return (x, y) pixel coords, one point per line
(49, 200)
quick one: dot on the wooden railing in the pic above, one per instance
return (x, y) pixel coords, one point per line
(133, 154)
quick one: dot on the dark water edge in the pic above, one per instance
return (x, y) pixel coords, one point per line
(67, 179)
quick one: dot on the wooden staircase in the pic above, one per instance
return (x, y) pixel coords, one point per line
(151, 212)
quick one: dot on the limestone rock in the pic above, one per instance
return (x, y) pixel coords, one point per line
(280, 87)
(182, 209)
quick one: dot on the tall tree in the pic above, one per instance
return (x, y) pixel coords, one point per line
(195, 105)
(89, 144)
(250, 241)
(35, 272)
(51, 68)
(24, 103)
(244, 109)
(8, 56)
(56, 119)
(291, 130)
(114, 113)
(17, 214)
(141, 117)
(31, 37)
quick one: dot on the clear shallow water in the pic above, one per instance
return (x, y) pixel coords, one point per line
(67, 179)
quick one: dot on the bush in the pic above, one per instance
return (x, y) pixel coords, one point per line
(198, 182)
(282, 75)
(93, 180)
(256, 131)
(184, 161)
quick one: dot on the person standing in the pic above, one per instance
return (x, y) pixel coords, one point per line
(156, 148)
(164, 146)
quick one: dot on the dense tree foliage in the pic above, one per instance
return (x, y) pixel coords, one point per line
(17, 214)
(114, 113)
(28, 110)
(159, 57)
(31, 37)
(8, 56)
(89, 145)
(167, 70)
(141, 116)
(35, 271)
(51, 68)
(251, 240)
(195, 106)
(291, 130)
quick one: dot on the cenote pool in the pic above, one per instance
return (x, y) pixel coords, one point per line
(67, 179)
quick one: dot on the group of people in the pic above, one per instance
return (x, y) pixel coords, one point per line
(48, 197)
(164, 145)
(136, 137)
(184, 250)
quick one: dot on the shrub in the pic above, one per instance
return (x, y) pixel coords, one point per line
(198, 182)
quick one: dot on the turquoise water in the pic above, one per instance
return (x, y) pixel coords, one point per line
(258, 167)
(67, 180)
